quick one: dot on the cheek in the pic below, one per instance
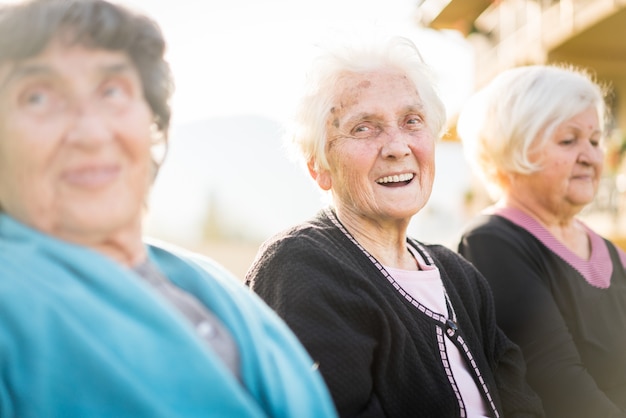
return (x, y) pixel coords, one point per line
(600, 158)
(25, 152)
(424, 152)
(553, 177)
(138, 136)
(560, 168)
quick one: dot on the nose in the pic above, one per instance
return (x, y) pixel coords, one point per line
(88, 126)
(396, 144)
(591, 154)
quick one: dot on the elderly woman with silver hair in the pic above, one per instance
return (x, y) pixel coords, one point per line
(399, 328)
(535, 135)
(93, 321)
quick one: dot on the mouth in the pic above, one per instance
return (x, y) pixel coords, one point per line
(91, 176)
(396, 180)
(584, 177)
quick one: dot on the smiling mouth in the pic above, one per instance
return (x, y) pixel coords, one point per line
(92, 176)
(396, 180)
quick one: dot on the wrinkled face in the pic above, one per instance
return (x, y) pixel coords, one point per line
(572, 160)
(379, 149)
(74, 142)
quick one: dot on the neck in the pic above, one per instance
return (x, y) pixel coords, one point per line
(548, 218)
(386, 241)
(125, 247)
(564, 227)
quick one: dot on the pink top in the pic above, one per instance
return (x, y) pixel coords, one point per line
(426, 287)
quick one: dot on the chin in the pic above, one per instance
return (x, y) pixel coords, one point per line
(102, 221)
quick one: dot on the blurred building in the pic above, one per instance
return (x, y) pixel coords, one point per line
(586, 33)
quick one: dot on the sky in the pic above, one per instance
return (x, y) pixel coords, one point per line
(243, 61)
(237, 58)
(240, 56)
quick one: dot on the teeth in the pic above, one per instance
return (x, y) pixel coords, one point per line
(395, 179)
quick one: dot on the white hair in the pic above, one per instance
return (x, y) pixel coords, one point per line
(520, 108)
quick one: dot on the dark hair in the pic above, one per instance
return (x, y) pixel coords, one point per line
(28, 27)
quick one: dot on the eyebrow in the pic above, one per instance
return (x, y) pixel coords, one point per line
(577, 129)
(22, 71)
(417, 108)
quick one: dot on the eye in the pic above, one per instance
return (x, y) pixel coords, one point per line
(112, 91)
(365, 130)
(567, 141)
(115, 90)
(35, 97)
(39, 99)
(414, 121)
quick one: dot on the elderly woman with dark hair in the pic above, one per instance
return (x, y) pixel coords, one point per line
(93, 321)
(535, 135)
(399, 328)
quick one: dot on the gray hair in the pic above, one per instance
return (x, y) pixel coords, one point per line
(520, 108)
(27, 28)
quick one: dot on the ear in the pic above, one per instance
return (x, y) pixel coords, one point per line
(321, 176)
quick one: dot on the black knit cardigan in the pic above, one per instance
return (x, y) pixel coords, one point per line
(379, 351)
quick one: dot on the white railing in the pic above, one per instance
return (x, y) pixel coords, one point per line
(522, 31)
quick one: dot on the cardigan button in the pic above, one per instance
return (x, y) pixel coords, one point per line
(452, 325)
(205, 329)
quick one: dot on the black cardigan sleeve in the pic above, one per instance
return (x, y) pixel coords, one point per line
(529, 315)
(300, 280)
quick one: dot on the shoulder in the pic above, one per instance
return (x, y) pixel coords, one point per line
(213, 284)
(307, 258)
(173, 256)
(217, 288)
(497, 236)
(314, 242)
(311, 233)
(488, 224)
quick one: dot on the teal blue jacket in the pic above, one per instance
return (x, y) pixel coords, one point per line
(83, 336)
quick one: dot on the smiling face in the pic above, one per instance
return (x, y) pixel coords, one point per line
(379, 148)
(74, 143)
(572, 161)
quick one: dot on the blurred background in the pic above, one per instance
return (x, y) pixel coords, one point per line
(227, 184)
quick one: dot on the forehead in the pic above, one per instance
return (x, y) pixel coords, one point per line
(376, 89)
(62, 60)
(587, 118)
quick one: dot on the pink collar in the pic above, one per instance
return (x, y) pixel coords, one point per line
(597, 270)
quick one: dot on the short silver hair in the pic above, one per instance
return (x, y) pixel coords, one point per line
(307, 133)
(519, 108)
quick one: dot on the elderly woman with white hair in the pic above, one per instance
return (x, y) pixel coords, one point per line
(535, 135)
(399, 328)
